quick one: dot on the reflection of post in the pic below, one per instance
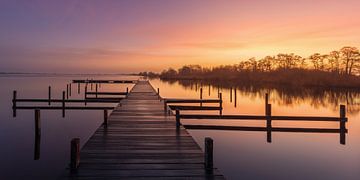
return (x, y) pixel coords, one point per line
(49, 95)
(235, 97)
(14, 103)
(266, 99)
(343, 120)
(91, 84)
(209, 155)
(268, 122)
(218, 89)
(209, 90)
(78, 88)
(37, 135)
(231, 94)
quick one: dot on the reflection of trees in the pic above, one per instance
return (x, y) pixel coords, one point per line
(286, 95)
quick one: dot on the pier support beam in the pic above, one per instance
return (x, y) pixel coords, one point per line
(268, 122)
(209, 155)
(343, 120)
(74, 154)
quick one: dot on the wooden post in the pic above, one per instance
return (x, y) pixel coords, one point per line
(201, 95)
(63, 104)
(14, 103)
(343, 124)
(231, 94)
(218, 89)
(91, 85)
(78, 88)
(49, 93)
(85, 93)
(165, 106)
(127, 90)
(177, 119)
(70, 89)
(96, 90)
(268, 122)
(105, 117)
(158, 91)
(67, 91)
(209, 154)
(37, 135)
(221, 103)
(75, 154)
(235, 98)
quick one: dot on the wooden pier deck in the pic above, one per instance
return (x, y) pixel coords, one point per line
(141, 142)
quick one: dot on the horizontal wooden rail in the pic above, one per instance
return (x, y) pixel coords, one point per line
(66, 107)
(190, 108)
(97, 100)
(106, 81)
(255, 117)
(192, 101)
(107, 93)
(275, 129)
(104, 98)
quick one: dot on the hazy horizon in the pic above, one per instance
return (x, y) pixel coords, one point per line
(137, 35)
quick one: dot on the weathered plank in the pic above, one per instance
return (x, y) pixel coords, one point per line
(141, 142)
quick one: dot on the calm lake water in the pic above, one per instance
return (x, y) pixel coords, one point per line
(238, 155)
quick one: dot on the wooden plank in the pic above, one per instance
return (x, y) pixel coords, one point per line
(141, 142)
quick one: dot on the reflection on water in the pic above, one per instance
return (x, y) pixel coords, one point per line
(238, 154)
(246, 155)
(284, 95)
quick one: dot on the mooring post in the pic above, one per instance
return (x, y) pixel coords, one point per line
(201, 95)
(37, 134)
(220, 103)
(209, 154)
(235, 98)
(91, 85)
(218, 91)
(49, 95)
(165, 106)
(63, 104)
(70, 89)
(67, 91)
(96, 90)
(343, 120)
(127, 90)
(85, 94)
(14, 103)
(231, 94)
(78, 88)
(177, 119)
(105, 118)
(74, 154)
(268, 122)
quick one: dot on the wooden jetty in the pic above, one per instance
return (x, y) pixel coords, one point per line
(139, 141)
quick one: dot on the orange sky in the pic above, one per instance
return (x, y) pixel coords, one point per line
(130, 36)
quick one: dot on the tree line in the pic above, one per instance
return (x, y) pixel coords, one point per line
(317, 69)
